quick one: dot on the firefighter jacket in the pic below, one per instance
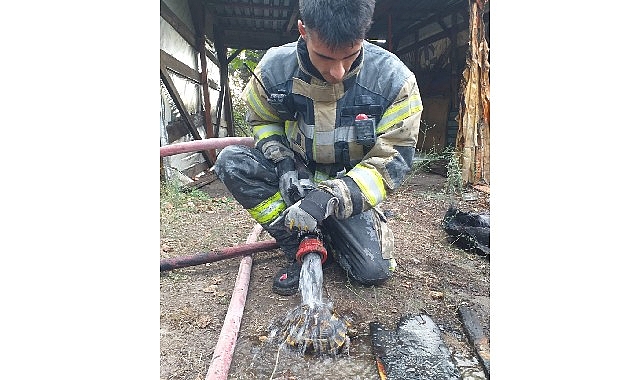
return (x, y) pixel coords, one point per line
(294, 106)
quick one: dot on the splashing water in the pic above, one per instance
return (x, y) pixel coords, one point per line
(313, 327)
(311, 280)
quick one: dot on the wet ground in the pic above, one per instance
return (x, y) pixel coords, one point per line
(257, 360)
(433, 278)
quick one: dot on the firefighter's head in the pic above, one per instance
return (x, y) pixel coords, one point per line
(334, 31)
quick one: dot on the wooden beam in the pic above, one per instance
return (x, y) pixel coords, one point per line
(229, 112)
(178, 67)
(430, 39)
(197, 11)
(293, 20)
(257, 45)
(251, 18)
(476, 336)
(177, 24)
(224, 100)
(227, 5)
(247, 39)
(183, 30)
(219, 110)
(213, 58)
(234, 54)
(431, 19)
(173, 92)
(209, 131)
(209, 20)
(251, 30)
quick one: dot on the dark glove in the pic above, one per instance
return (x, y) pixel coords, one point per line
(292, 184)
(309, 211)
(288, 182)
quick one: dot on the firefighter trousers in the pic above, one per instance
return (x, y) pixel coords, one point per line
(361, 244)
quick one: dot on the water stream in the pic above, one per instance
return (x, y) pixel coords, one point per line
(313, 327)
(311, 280)
(298, 351)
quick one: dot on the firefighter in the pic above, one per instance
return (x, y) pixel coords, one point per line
(335, 120)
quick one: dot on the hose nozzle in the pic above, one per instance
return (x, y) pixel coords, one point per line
(308, 244)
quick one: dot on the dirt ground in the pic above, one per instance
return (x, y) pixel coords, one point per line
(433, 276)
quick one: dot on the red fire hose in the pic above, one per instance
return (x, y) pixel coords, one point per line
(205, 144)
(224, 351)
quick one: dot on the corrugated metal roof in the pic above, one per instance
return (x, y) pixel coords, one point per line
(260, 24)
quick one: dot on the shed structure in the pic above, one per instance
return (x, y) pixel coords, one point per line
(444, 42)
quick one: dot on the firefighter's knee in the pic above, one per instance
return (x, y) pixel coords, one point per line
(370, 272)
(227, 159)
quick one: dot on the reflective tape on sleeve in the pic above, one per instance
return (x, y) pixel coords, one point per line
(259, 104)
(263, 131)
(370, 181)
(398, 112)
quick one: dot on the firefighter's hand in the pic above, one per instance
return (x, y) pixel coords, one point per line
(297, 218)
(288, 182)
(292, 184)
(306, 214)
(290, 187)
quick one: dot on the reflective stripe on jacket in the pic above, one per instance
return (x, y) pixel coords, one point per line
(321, 130)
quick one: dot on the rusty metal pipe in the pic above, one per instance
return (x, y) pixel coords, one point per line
(204, 144)
(216, 255)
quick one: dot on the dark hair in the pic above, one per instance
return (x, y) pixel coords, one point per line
(337, 22)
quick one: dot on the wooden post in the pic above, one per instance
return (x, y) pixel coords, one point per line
(473, 137)
(224, 104)
(209, 130)
(198, 14)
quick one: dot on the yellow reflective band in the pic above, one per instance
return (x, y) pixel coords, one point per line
(289, 128)
(399, 112)
(257, 104)
(269, 209)
(263, 131)
(370, 181)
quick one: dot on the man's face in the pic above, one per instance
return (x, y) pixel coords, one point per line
(332, 64)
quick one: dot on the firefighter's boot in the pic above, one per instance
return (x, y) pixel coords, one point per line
(286, 279)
